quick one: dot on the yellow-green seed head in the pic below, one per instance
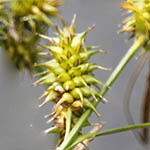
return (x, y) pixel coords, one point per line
(69, 74)
(138, 22)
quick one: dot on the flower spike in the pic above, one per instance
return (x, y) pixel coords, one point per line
(138, 21)
(70, 80)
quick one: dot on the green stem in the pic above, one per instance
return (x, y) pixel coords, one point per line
(111, 131)
(134, 48)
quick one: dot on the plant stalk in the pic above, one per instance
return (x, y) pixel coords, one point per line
(111, 131)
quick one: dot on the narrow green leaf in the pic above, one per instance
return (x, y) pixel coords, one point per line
(107, 132)
(68, 122)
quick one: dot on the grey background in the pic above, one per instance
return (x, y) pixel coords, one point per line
(22, 122)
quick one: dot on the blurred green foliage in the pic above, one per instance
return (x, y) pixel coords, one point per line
(20, 21)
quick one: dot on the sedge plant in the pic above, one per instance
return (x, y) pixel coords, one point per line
(68, 76)
(137, 23)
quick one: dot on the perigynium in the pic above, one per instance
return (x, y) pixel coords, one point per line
(20, 21)
(71, 84)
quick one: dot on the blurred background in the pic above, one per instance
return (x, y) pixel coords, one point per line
(21, 121)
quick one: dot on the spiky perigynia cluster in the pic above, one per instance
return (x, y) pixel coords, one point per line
(20, 20)
(138, 22)
(71, 84)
